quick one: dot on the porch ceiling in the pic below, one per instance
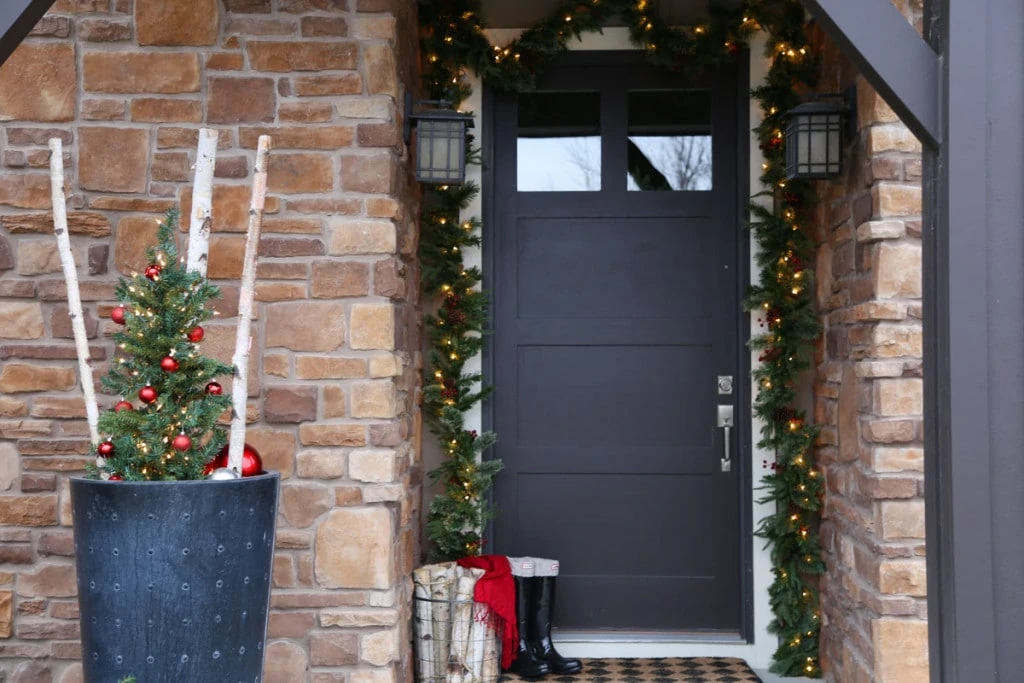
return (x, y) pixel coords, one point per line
(525, 13)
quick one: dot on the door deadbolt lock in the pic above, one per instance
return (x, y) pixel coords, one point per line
(724, 385)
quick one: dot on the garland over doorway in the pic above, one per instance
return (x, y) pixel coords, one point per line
(454, 43)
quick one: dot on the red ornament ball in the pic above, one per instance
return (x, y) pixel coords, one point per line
(106, 449)
(153, 271)
(118, 315)
(115, 477)
(123, 405)
(252, 463)
(182, 442)
(195, 335)
(214, 389)
(147, 394)
(168, 364)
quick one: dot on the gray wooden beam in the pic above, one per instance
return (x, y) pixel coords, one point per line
(974, 344)
(17, 17)
(886, 49)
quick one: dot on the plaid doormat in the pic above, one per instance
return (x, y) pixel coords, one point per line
(675, 670)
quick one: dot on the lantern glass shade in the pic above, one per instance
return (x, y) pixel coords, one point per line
(814, 141)
(441, 150)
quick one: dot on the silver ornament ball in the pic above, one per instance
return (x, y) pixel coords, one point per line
(223, 473)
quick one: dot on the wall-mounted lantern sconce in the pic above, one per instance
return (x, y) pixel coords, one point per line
(814, 135)
(440, 141)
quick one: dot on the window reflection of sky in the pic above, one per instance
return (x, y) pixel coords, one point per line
(569, 164)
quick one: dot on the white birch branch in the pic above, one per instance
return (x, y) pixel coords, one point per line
(239, 389)
(202, 202)
(67, 260)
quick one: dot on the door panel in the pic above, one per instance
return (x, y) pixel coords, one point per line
(614, 310)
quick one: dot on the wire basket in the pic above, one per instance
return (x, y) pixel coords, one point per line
(457, 641)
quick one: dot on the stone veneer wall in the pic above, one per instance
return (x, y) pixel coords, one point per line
(868, 394)
(333, 402)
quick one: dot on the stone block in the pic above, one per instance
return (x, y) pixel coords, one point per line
(50, 581)
(894, 341)
(60, 324)
(104, 30)
(248, 6)
(305, 326)
(22, 377)
(329, 367)
(231, 167)
(378, 107)
(302, 504)
(894, 199)
(372, 326)
(372, 465)
(241, 100)
(302, 56)
(333, 649)
(26, 190)
(354, 236)
(872, 231)
(373, 676)
(894, 137)
(276, 447)
(98, 259)
(354, 549)
(900, 649)
(135, 234)
(278, 247)
(280, 291)
(19, 510)
(113, 159)
(319, 27)
(230, 207)
(305, 112)
(897, 270)
(226, 257)
(374, 399)
(165, 110)
(903, 577)
(290, 404)
(350, 83)
(371, 174)
(358, 618)
(337, 279)
(9, 469)
(290, 624)
(332, 435)
(895, 459)
(381, 74)
(103, 110)
(380, 27)
(6, 613)
(299, 137)
(21, 320)
(320, 463)
(38, 83)
(898, 397)
(225, 61)
(379, 648)
(378, 135)
(177, 23)
(301, 174)
(51, 27)
(385, 366)
(334, 402)
(171, 167)
(285, 662)
(141, 72)
(901, 519)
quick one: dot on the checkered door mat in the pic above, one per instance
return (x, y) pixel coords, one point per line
(676, 670)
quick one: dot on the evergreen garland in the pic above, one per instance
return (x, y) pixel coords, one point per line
(453, 43)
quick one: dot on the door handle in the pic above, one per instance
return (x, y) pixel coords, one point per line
(725, 421)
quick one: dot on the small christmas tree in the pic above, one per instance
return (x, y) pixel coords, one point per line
(165, 427)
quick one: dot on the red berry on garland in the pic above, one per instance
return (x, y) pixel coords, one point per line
(115, 477)
(168, 364)
(153, 271)
(182, 442)
(106, 449)
(195, 335)
(118, 315)
(123, 405)
(147, 394)
(214, 389)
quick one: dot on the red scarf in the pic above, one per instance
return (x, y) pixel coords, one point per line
(497, 590)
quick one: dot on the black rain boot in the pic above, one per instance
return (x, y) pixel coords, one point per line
(540, 620)
(525, 664)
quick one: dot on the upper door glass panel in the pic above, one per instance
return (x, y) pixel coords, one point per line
(669, 145)
(559, 142)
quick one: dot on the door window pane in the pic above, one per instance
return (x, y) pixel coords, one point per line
(559, 142)
(669, 140)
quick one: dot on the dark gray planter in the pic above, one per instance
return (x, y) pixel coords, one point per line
(174, 578)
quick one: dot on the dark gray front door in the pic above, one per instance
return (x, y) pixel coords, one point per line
(616, 307)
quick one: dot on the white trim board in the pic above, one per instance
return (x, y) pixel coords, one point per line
(758, 653)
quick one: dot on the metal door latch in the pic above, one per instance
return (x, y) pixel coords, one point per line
(725, 421)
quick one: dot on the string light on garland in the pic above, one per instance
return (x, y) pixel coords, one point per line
(454, 41)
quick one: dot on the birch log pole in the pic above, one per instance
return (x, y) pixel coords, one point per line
(67, 260)
(202, 202)
(424, 630)
(240, 360)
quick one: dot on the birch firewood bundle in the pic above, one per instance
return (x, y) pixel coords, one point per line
(240, 360)
(486, 666)
(462, 622)
(423, 628)
(67, 260)
(442, 579)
